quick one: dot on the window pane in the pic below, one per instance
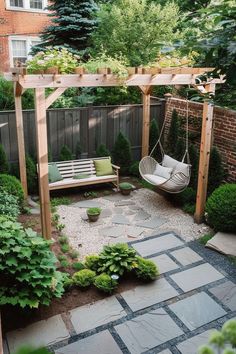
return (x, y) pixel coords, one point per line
(16, 3)
(36, 4)
(19, 48)
(18, 61)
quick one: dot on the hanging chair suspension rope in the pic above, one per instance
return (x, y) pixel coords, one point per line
(186, 154)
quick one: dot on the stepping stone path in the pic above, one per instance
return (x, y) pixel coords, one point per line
(175, 313)
(120, 219)
(87, 204)
(153, 223)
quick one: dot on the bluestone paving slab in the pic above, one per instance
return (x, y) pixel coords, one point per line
(141, 215)
(149, 294)
(87, 204)
(186, 256)
(96, 314)
(157, 244)
(134, 231)
(117, 197)
(191, 345)
(100, 343)
(105, 213)
(197, 310)
(153, 223)
(148, 331)
(196, 277)
(226, 293)
(112, 231)
(164, 263)
(118, 210)
(223, 242)
(167, 351)
(124, 203)
(120, 219)
(42, 333)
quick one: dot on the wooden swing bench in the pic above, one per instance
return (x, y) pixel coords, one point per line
(72, 168)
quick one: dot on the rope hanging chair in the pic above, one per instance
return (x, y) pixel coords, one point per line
(170, 175)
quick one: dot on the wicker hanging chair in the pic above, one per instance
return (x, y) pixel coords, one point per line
(178, 179)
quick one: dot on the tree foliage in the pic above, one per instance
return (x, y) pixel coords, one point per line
(138, 33)
(122, 153)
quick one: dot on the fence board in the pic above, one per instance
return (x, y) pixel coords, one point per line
(91, 126)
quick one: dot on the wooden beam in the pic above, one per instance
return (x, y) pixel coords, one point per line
(20, 137)
(42, 151)
(146, 120)
(205, 147)
(54, 95)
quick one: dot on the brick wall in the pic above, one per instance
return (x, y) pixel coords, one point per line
(14, 23)
(224, 130)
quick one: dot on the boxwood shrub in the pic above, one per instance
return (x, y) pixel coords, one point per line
(27, 267)
(12, 185)
(221, 208)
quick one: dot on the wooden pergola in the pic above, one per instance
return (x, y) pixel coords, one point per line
(145, 79)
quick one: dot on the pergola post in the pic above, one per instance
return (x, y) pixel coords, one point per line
(20, 137)
(42, 151)
(205, 148)
(146, 91)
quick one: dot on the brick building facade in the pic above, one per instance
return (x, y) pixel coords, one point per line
(21, 22)
(224, 130)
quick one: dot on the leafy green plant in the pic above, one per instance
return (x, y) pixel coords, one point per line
(78, 266)
(60, 227)
(27, 266)
(194, 160)
(90, 194)
(92, 262)
(31, 173)
(146, 269)
(31, 350)
(105, 283)
(173, 134)
(61, 257)
(125, 185)
(65, 61)
(4, 166)
(117, 259)
(221, 208)
(65, 248)
(102, 151)
(122, 153)
(223, 341)
(205, 238)
(63, 240)
(12, 186)
(65, 263)
(134, 169)
(189, 208)
(216, 171)
(84, 278)
(94, 211)
(74, 254)
(153, 138)
(60, 201)
(65, 154)
(117, 64)
(8, 204)
(55, 218)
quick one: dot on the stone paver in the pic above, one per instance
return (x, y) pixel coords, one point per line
(100, 343)
(148, 331)
(42, 333)
(153, 223)
(124, 203)
(93, 315)
(196, 277)
(226, 293)
(112, 231)
(117, 197)
(164, 263)
(87, 204)
(105, 213)
(190, 345)
(120, 219)
(141, 215)
(197, 310)
(167, 351)
(157, 244)
(223, 242)
(134, 231)
(118, 210)
(186, 256)
(149, 294)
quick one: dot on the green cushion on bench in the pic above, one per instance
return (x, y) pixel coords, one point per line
(103, 167)
(54, 173)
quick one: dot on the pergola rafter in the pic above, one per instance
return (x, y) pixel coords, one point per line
(145, 79)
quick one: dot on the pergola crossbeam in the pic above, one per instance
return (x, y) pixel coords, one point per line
(54, 96)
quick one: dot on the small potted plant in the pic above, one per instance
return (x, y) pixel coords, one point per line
(93, 214)
(125, 188)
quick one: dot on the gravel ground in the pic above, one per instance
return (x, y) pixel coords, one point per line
(86, 237)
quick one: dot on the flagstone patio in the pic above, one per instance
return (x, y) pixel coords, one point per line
(195, 293)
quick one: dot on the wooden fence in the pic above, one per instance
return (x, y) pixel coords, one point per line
(91, 126)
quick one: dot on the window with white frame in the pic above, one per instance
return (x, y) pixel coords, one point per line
(26, 5)
(20, 48)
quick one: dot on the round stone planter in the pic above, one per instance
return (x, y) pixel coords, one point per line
(92, 217)
(125, 191)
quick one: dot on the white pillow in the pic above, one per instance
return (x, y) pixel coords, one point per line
(169, 161)
(161, 171)
(177, 166)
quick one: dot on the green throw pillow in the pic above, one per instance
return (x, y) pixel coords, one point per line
(53, 173)
(103, 167)
(81, 176)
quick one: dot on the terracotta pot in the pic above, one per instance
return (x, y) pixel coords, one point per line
(53, 70)
(125, 191)
(93, 218)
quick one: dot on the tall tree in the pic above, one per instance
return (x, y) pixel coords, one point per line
(137, 29)
(73, 22)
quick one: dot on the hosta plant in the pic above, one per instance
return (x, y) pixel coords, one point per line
(27, 267)
(116, 259)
